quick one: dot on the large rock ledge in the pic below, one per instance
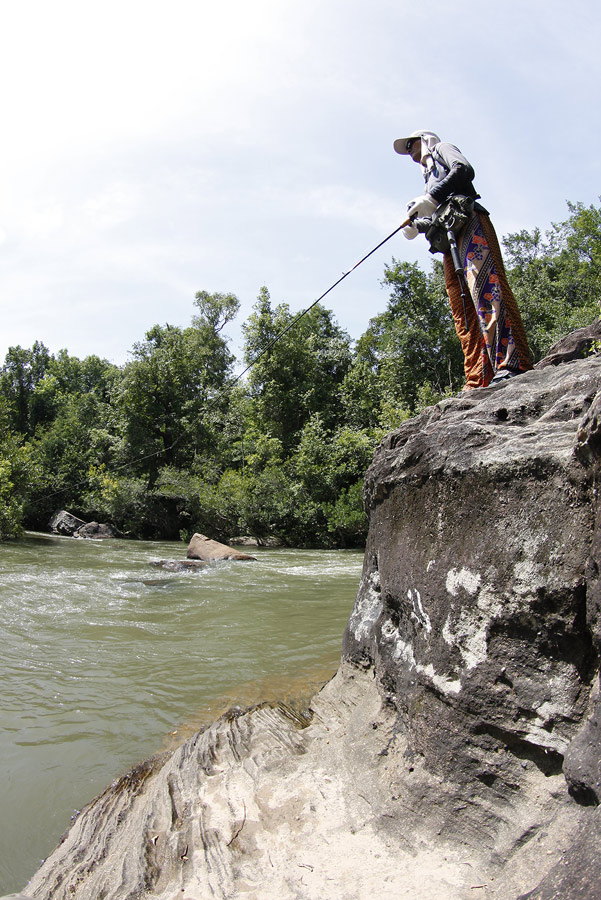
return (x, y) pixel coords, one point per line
(456, 753)
(265, 806)
(479, 603)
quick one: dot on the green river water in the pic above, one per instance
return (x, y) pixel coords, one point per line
(106, 659)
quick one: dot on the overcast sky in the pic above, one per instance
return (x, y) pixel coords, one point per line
(153, 149)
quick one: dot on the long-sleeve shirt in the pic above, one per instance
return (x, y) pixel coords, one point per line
(450, 173)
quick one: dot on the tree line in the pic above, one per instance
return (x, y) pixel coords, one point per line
(173, 442)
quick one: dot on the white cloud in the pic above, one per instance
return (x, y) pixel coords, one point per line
(152, 149)
(116, 204)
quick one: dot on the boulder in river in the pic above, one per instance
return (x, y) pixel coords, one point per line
(97, 530)
(247, 540)
(63, 522)
(202, 547)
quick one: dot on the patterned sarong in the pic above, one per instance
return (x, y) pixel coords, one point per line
(490, 328)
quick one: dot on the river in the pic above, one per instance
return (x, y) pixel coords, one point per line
(106, 659)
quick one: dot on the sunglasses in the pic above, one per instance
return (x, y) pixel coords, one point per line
(410, 144)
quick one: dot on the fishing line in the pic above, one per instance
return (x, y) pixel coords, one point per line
(290, 325)
(252, 363)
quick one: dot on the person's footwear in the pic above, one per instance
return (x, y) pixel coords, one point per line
(504, 375)
(465, 391)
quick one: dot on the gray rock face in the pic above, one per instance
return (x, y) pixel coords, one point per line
(97, 530)
(575, 875)
(473, 606)
(577, 345)
(582, 765)
(479, 606)
(457, 752)
(63, 522)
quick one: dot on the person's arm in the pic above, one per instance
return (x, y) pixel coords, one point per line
(460, 174)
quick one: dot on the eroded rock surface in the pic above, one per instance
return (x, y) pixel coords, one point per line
(456, 753)
(268, 806)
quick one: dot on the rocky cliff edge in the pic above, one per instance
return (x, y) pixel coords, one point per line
(457, 751)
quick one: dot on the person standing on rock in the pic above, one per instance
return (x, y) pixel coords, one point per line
(485, 312)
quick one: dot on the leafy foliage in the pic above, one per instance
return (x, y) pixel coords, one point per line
(557, 278)
(300, 374)
(411, 344)
(171, 443)
(14, 472)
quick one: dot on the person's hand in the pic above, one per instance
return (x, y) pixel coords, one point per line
(423, 206)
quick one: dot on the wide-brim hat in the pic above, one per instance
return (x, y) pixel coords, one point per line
(400, 145)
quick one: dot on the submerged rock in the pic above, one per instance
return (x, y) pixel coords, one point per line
(16, 897)
(202, 547)
(179, 565)
(433, 764)
(97, 530)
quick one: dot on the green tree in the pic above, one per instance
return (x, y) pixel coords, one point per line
(327, 466)
(15, 470)
(61, 455)
(411, 344)
(173, 392)
(301, 373)
(22, 371)
(57, 416)
(556, 278)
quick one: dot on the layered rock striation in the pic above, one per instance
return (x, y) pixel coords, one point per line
(456, 753)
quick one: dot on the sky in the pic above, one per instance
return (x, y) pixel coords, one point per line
(154, 149)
